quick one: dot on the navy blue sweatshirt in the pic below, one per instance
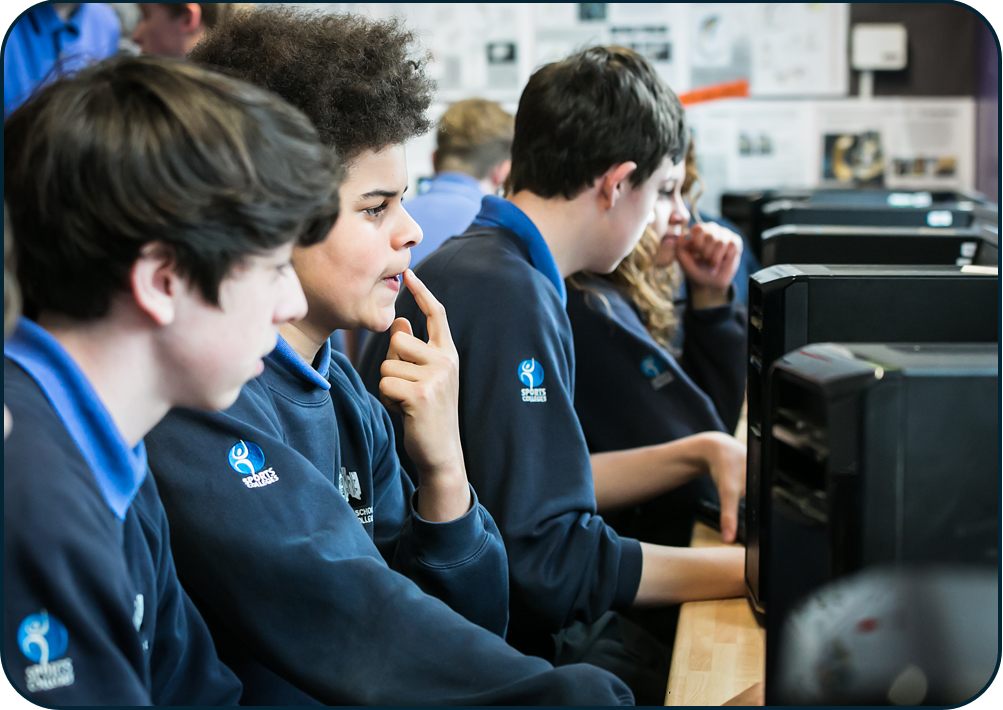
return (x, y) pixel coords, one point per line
(286, 510)
(630, 391)
(93, 611)
(525, 451)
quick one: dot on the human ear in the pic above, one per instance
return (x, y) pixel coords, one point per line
(500, 172)
(191, 18)
(612, 184)
(155, 283)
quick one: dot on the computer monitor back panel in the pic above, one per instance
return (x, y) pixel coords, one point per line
(880, 454)
(793, 305)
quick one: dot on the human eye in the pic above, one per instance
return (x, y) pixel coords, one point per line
(375, 212)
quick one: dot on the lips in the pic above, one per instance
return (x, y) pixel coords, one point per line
(393, 283)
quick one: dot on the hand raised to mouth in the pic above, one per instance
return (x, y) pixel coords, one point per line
(421, 382)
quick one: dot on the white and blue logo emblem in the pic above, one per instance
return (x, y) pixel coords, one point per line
(43, 639)
(655, 369)
(531, 373)
(246, 458)
(650, 367)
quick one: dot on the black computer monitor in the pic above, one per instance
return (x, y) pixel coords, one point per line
(794, 305)
(880, 455)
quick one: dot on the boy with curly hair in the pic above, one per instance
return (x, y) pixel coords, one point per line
(324, 574)
(154, 207)
(597, 137)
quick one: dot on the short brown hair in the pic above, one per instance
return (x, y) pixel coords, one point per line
(137, 150)
(474, 136)
(597, 108)
(212, 12)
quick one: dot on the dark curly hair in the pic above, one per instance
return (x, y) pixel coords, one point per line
(580, 116)
(362, 82)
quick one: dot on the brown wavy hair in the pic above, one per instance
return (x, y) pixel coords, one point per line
(651, 288)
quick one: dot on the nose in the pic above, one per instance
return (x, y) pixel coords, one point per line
(292, 302)
(679, 214)
(408, 233)
(137, 34)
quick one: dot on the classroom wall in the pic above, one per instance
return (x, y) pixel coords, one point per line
(935, 121)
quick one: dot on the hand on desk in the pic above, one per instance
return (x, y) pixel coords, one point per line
(725, 460)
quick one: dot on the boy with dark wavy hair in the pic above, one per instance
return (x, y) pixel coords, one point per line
(155, 206)
(331, 578)
(597, 137)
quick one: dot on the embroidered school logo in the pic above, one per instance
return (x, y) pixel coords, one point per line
(348, 484)
(349, 488)
(531, 375)
(247, 459)
(656, 371)
(43, 639)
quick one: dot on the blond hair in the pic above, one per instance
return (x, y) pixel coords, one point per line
(473, 137)
(652, 289)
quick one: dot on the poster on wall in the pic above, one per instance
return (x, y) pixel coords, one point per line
(746, 144)
(898, 143)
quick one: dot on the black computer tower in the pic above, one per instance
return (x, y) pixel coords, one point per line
(872, 209)
(881, 455)
(825, 244)
(794, 305)
(755, 211)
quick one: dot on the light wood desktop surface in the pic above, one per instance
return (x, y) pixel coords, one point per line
(720, 648)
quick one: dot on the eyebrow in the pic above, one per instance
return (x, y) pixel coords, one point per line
(380, 193)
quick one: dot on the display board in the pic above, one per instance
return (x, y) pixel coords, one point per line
(895, 142)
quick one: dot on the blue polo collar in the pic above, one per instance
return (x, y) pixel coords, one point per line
(496, 212)
(44, 18)
(119, 470)
(456, 182)
(290, 360)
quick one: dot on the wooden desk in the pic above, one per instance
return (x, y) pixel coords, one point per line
(720, 648)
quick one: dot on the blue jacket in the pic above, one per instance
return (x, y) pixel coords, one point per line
(286, 510)
(40, 40)
(93, 611)
(630, 391)
(445, 210)
(525, 451)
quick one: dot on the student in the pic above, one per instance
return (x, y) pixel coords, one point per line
(294, 578)
(596, 137)
(52, 39)
(471, 159)
(630, 388)
(154, 207)
(171, 29)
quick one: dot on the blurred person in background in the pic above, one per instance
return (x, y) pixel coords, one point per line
(52, 39)
(171, 29)
(471, 159)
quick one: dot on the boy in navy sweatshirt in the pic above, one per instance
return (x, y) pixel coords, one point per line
(597, 136)
(328, 577)
(154, 206)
